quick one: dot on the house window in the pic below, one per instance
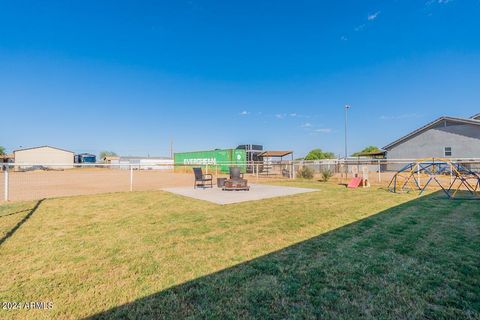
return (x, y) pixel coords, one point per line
(448, 151)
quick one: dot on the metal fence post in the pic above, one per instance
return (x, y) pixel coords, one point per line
(131, 178)
(451, 174)
(5, 175)
(418, 175)
(379, 172)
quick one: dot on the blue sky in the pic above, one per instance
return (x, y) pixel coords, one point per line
(128, 76)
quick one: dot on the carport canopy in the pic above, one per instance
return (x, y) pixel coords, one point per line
(275, 154)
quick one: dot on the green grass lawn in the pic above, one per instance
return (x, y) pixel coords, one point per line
(331, 254)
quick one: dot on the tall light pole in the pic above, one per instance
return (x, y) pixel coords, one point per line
(346, 126)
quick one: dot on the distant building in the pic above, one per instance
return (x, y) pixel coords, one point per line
(111, 159)
(143, 163)
(85, 158)
(6, 158)
(44, 156)
(446, 137)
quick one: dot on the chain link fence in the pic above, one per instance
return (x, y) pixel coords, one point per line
(32, 182)
(35, 181)
(376, 171)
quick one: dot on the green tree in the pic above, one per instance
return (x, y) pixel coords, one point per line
(104, 154)
(2, 151)
(369, 149)
(318, 154)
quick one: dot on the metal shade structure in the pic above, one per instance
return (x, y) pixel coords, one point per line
(376, 155)
(266, 155)
(275, 154)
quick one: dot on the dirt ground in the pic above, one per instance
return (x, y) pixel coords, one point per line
(41, 184)
(46, 184)
(34, 185)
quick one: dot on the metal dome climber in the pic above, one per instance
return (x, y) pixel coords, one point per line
(451, 177)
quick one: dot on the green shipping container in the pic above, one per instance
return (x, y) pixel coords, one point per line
(221, 158)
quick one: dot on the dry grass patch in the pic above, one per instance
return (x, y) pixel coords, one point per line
(93, 254)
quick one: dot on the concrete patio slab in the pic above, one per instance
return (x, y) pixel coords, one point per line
(257, 192)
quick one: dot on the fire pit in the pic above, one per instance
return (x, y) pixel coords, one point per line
(232, 185)
(236, 181)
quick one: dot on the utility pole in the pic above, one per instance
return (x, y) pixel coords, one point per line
(171, 148)
(346, 133)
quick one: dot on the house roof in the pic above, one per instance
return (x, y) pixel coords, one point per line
(429, 126)
(86, 154)
(42, 147)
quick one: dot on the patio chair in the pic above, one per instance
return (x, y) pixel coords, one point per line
(202, 180)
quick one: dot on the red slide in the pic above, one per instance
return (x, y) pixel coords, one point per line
(355, 183)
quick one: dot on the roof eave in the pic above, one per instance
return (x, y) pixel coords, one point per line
(428, 126)
(46, 146)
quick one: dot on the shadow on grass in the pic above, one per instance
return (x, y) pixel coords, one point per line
(14, 213)
(21, 222)
(409, 261)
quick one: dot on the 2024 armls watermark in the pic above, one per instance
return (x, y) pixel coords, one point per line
(26, 305)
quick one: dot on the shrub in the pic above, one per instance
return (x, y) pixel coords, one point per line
(326, 175)
(305, 173)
